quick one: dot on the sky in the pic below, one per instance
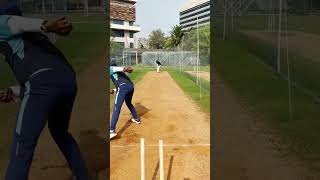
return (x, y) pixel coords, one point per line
(153, 14)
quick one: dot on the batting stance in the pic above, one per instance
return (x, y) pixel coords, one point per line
(158, 65)
(47, 87)
(124, 90)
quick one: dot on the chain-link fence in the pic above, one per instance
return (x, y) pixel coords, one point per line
(85, 15)
(176, 59)
(269, 51)
(127, 57)
(58, 7)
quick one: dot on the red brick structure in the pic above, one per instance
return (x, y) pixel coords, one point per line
(122, 10)
(122, 21)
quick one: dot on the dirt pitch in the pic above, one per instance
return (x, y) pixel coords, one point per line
(167, 114)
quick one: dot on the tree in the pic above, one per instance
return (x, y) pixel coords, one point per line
(190, 42)
(175, 38)
(157, 39)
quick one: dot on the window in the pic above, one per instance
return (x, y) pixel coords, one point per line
(131, 45)
(117, 33)
(131, 23)
(121, 44)
(131, 34)
(116, 21)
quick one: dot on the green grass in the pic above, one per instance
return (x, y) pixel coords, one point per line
(267, 92)
(185, 68)
(304, 71)
(85, 45)
(74, 16)
(188, 84)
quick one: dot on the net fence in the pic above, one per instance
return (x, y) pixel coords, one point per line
(268, 50)
(53, 7)
(169, 58)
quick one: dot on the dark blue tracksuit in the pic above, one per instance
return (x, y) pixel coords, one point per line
(48, 90)
(125, 90)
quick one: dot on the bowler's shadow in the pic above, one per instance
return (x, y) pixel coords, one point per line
(95, 152)
(141, 110)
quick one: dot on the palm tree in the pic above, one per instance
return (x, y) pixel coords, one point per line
(176, 35)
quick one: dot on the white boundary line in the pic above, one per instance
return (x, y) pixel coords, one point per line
(165, 145)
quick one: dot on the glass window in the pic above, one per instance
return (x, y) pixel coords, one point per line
(131, 34)
(117, 33)
(117, 21)
(131, 45)
(131, 23)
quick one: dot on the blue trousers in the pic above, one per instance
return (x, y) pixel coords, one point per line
(47, 97)
(124, 93)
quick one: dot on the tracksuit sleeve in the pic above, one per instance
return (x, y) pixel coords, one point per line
(116, 69)
(14, 25)
(19, 25)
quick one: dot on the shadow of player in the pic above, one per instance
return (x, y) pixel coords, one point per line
(94, 151)
(141, 110)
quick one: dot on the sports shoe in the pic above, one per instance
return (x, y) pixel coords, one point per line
(112, 134)
(136, 121)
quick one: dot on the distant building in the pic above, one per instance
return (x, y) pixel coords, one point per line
(192, 11)
(122, 19)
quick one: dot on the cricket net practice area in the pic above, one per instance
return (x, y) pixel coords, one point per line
(169, 58)
(269, 52)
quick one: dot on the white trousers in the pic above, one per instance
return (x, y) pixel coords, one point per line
(158, 68)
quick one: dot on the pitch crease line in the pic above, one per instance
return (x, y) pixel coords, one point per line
(165, 145)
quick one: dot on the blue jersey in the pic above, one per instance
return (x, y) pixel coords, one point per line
(29, 52)
(118, 77)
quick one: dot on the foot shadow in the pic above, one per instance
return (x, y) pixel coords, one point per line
(94, 151)
(141, 110)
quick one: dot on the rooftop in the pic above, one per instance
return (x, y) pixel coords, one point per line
(191, 4)
(130, 1)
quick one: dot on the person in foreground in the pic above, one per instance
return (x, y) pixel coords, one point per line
(47, 87)
(124, 92)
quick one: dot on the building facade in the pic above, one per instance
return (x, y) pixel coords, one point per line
(193, 11)
(122, 19)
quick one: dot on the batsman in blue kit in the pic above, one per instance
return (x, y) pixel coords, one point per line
(124, 92)
(47, 87)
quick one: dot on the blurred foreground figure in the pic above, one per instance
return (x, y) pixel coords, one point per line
(47, 87)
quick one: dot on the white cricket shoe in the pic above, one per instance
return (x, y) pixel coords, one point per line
(112, 134)
(135, 121)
